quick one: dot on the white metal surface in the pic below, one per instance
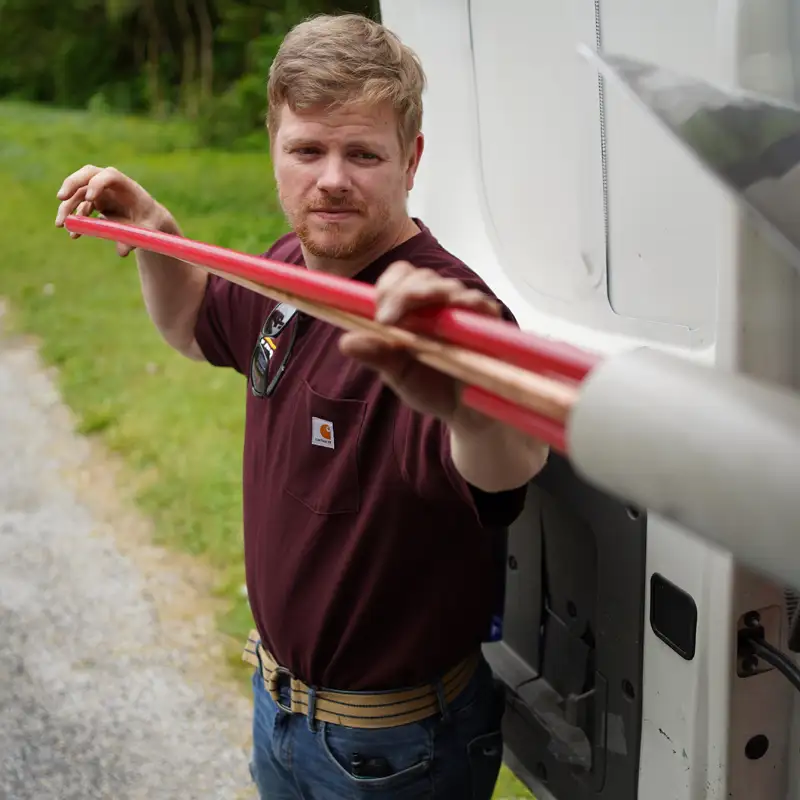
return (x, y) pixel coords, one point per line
(511, 181)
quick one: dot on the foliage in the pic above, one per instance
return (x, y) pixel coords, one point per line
(206, 60)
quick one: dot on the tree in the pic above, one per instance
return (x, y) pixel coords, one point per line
(150, 55)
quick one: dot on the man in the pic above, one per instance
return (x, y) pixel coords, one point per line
(370, 493)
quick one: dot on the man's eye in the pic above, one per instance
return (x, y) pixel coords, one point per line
(366, 156)
(306, 151)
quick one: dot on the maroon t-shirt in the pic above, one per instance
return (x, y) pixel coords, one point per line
(368, 562)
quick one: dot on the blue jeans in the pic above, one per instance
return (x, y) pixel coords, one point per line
(451, 756)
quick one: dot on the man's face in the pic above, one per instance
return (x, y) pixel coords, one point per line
(343, 178)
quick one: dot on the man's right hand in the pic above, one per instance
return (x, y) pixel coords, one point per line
(116, 197)
(172, 289)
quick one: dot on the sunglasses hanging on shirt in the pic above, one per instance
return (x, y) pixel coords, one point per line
(264, 374)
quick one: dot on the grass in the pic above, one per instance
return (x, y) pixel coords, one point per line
(177, 425)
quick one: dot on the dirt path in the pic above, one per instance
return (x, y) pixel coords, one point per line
(112, 678)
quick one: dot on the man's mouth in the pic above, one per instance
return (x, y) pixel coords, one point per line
(334, 213)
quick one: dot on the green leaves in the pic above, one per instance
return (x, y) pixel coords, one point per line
(206, 59)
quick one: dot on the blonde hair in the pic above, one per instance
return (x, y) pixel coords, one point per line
(334, 60)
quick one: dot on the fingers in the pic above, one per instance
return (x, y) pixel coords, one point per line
(78, 179)
(390, 359)
(108, 190)
(69, 205)
(404, 288)
(75, 190)
(83, 210)
(79, 201)
(103, 180)
(372, 349)
(392, 276)
(77, 204)
(423, 388)
(123, 249)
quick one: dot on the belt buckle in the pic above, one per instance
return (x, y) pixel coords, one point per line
(273, 689)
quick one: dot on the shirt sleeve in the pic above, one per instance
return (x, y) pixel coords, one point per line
(224, 324)
(422, 449)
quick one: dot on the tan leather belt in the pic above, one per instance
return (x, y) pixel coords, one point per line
(358, 709)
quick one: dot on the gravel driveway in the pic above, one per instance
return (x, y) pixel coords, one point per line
(111, 676)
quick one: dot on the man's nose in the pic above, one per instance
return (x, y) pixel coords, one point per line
(334, 178)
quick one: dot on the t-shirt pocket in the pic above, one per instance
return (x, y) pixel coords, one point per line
(322, 464)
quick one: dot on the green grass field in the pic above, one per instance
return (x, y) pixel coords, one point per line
(177, 425)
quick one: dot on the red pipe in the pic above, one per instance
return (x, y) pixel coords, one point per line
(493, 337)
(523, 419)
(459, 327)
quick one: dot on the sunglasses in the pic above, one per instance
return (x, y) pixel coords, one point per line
(264, 376)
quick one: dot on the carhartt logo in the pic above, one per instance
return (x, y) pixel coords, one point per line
(322, 432)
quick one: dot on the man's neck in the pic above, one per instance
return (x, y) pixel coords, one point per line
(348, 267)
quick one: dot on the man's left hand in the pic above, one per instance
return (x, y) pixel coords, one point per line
(488, 454)
(403, 288)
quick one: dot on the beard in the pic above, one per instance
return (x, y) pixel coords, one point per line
(338, 240)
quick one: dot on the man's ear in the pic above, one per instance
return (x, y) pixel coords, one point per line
(414, 157)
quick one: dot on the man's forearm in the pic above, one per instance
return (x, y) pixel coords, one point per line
(172, 292)
(495, 457)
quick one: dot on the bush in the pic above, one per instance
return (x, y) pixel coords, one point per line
(231, 118)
